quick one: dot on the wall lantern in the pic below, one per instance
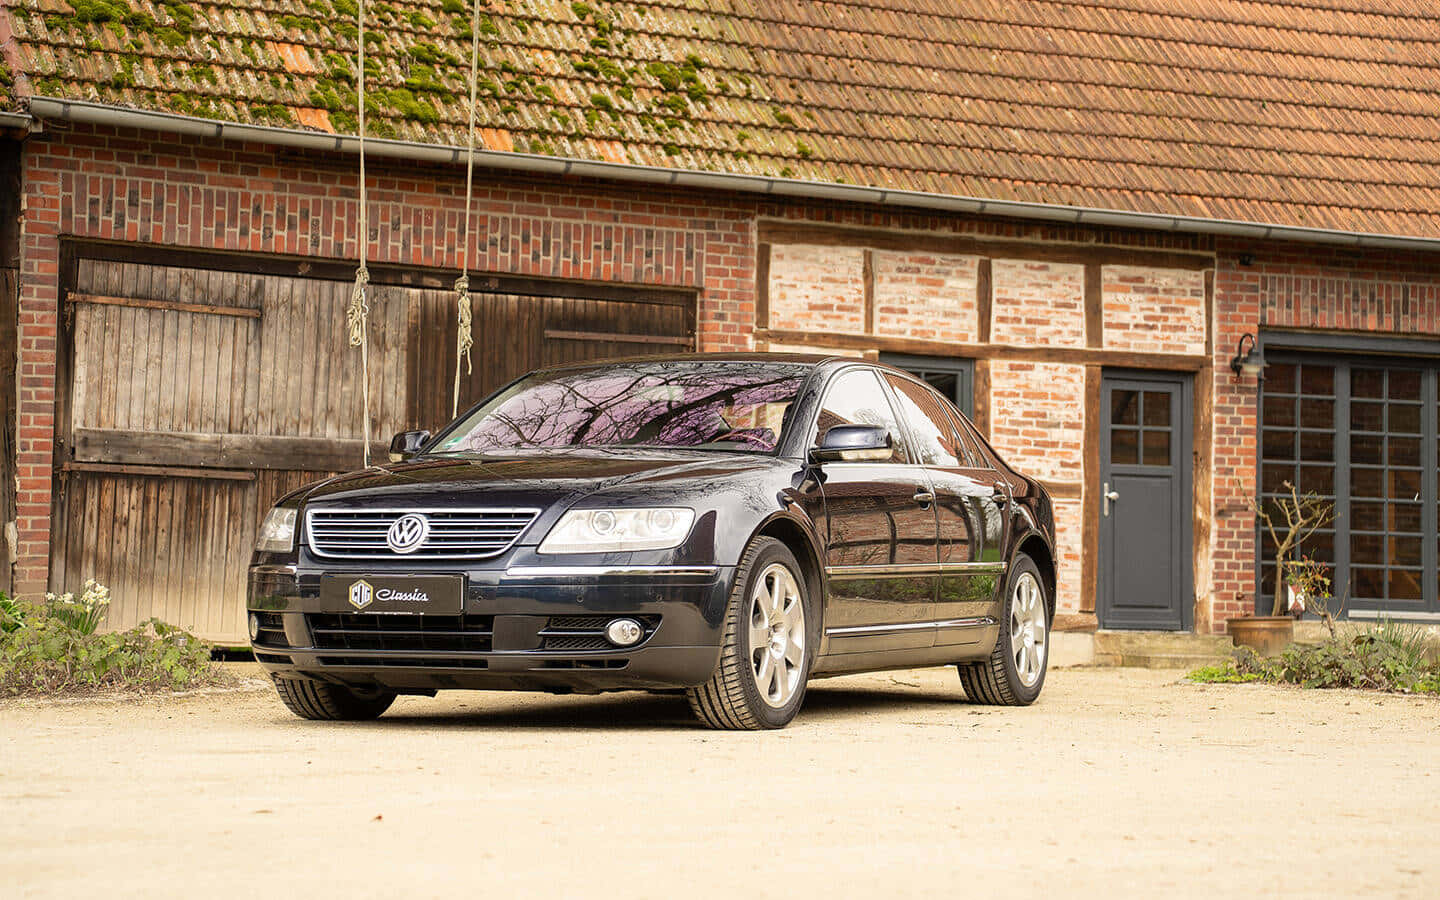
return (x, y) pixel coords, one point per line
(1247, 362)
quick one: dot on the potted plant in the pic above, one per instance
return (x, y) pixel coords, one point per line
(1308, 587)
(1288, 521)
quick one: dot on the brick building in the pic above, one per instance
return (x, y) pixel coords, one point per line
(1067, 215)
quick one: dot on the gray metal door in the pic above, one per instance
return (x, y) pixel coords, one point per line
(1145, 544)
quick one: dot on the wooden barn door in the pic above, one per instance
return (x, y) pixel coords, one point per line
(193, 397)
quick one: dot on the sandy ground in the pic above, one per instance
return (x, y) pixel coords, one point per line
(1116, 782)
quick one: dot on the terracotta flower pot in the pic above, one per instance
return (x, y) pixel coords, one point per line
(1266, 635)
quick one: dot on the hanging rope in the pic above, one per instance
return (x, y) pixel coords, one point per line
(357, 314)
(463, 339)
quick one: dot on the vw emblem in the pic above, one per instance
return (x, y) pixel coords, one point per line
(361, 594)
(408, 533)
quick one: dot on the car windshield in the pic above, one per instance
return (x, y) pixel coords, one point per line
(734, 406)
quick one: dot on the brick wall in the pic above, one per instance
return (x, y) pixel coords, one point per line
(1038, 304)
(1279, 287)
(104, 184)
(925, 295)
(817, 288)
(1038, 417)
(1151, 310)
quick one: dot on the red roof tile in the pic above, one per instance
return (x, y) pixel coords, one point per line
(1317, 113)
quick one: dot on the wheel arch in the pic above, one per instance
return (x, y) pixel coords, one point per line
(801, 542)
(1038, 549)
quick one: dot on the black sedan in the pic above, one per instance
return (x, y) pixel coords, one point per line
(729, 525)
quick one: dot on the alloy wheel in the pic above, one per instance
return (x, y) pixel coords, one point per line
(1028, 640)
(777, 635)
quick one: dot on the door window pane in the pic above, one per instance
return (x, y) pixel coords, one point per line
(1125, 446)
(1156, 405)
(1125, 408)
(1157, 448)
(856, 398)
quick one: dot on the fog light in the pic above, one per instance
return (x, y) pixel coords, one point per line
(624, 632)
(254, 626)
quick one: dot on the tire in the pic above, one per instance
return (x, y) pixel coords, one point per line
(758, 686)
(1015, 671)
(319, 700)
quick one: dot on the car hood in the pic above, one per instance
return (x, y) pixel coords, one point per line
(531, 479)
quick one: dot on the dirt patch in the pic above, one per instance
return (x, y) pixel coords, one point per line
(1117, 781)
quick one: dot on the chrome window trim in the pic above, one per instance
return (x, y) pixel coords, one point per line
(425, 511)
(846, 573)
(943, 624)
(525, 573)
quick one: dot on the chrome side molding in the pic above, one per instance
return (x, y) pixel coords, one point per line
(844, 573)
(942, 625)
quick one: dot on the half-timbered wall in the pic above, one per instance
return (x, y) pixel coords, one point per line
(1040, 320)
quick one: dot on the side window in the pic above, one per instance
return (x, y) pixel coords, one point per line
(856, 398)
(936, 441)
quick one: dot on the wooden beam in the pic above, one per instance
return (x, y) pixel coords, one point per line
(1094, 305)
(868, 278)
(1202, 474)
(1090, 498)
(159, 471)
(1168, 362)
(981, 417)
(762, 285)
(966, 245)
(221, 451)
(243, 312)
(611, 337)
(984, 300)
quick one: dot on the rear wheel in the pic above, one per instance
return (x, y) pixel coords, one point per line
(1015, 671)
(766, 654)
(319, 700)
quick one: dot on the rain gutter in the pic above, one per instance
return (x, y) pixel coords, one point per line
(536, 164)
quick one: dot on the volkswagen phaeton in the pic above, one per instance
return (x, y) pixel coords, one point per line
(730, 526)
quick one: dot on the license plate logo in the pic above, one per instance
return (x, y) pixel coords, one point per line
(361, 594)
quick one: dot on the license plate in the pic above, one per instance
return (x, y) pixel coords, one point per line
(436, 595)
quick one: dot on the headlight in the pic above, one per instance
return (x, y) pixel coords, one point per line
(608, 530)
(277, 532)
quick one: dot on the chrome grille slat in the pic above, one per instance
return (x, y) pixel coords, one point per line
(454, 534)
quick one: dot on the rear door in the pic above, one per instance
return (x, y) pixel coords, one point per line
(970, 522)
(881, 558)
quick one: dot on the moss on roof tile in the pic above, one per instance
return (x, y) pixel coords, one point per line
(1251, 112)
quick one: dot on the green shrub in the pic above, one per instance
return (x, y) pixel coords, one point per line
(1224, 673)
(52, 647)
(1385, 657)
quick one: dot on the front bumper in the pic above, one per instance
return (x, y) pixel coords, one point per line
(523, 628)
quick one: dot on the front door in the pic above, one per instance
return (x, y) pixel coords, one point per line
(880, 557)
(1145, 550)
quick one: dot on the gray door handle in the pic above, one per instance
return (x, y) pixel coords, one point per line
(1109, 496)
(924, 498)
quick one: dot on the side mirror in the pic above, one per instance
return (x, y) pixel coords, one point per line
(854, 443)
(406, 444)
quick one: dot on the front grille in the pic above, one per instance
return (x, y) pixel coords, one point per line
(272, 629)
(357, 631)
(453, 533)
(587, 632)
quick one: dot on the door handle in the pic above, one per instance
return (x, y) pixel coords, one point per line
(999, 494)
(1108, 496)
(924, 498)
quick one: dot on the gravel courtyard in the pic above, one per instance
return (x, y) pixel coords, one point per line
(1117, 781)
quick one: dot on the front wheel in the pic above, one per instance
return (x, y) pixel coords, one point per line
(766, 653)
(320, 700)
(1015, 671)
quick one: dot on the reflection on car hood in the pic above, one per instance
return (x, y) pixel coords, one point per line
(531, 479)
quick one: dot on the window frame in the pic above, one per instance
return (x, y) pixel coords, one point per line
(963, 368)
(1344, 354)
(902, 428)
